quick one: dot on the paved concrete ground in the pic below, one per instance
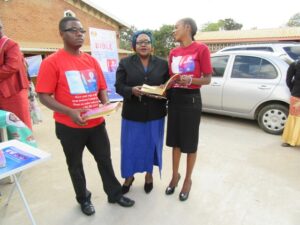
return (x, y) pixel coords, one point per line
(242, 177)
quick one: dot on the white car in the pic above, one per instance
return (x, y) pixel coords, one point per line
(251, 85)
(288, 51)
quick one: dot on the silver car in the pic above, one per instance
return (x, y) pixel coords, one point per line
(288, 51)
(251, 85)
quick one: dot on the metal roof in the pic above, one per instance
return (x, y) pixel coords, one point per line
(279, 34)
(98, 8)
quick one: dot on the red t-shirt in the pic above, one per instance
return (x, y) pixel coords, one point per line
(193, 60)
(74, 81)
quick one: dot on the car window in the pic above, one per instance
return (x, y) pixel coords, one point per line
(234, 49)
(219, 65)
(253, 68)
(266, 49)
(293, 52)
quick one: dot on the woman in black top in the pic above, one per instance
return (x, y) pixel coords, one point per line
(142, 116)
(291, 133)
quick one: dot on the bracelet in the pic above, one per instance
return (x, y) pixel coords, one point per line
(190, 82)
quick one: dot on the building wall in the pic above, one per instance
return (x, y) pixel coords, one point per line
(37, 20)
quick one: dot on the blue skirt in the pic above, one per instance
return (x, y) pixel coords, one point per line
(141, 146)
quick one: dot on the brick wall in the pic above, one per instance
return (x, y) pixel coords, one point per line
(37, 20)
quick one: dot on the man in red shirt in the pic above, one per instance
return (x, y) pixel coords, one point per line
(13, 79)
(64, 86)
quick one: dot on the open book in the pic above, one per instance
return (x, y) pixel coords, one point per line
(159, 90)
(102, 110)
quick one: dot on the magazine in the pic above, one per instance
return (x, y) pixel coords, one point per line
(159, 90)
(15, 158)
(102, 110)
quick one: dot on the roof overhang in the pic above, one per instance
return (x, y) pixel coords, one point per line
(98, 8)
(43, 47)
(259, 35)
(241, 40)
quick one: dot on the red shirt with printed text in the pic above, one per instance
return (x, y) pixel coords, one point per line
(193, 60)
(74, 81)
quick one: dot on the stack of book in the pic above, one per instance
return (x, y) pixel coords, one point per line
(102, 110)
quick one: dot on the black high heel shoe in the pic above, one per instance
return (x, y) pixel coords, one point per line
(126, 188)
(148, 187)
(183, 196)
(170, 190)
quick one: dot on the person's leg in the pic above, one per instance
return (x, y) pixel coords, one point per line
(128, 181)
(98, 144)
(190, 162)
(148, 186)
(148, 178)
(187, 184)
(190, 139)
(127, 184)
(73, 143)
(176, 154)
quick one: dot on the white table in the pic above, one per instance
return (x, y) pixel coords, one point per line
(3, 137)
(19, 157)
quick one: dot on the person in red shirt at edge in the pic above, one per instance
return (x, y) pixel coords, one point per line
(64, 86)
(14, 83)
(192, 61)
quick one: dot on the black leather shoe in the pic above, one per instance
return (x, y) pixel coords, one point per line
(126, 188)
(87, 208)
(183, 196)
(148, 187)
(170, 190)
(123, 201)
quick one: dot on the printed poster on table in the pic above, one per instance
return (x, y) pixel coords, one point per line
(104, 49)
(15, 158)
(34, 63)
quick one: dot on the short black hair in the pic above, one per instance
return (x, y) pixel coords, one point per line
(138, 33)
(193, 25)
(64, 20)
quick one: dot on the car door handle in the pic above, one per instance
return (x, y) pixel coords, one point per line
(264, 87)
(215, 84)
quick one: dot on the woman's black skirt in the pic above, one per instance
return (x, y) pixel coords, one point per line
(184, 115)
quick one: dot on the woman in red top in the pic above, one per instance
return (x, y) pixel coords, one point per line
(192, 61)
(13, 79)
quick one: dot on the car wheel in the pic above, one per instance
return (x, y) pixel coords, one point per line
(272, 118)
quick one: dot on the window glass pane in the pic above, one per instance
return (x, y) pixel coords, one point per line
(267, 70)
(253, 68)
(219, 65)
(293, 52)
(266, 49)
(234, 49)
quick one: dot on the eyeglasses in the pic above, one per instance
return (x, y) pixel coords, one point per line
(75, 30)
(143, 42)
